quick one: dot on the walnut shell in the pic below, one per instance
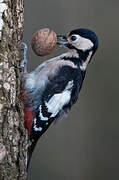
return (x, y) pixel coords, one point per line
(44, 41)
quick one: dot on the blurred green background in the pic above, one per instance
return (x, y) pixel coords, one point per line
(85, 145)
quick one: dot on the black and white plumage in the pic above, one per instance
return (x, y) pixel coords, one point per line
(53, 87)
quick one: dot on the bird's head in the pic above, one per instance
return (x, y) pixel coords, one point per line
(82, 41)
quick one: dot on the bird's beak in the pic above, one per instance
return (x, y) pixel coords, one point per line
(62, 40)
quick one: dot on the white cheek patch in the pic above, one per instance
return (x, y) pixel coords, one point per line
(56, 103)
(85, 44)
(82, 43)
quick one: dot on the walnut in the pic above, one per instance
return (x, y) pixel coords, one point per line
(44, 41)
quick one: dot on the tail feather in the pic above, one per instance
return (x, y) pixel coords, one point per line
(30, 152)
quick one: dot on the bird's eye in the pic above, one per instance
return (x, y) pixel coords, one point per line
(73, 38)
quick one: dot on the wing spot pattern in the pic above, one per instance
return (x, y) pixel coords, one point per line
(42, 118)
(35, 126)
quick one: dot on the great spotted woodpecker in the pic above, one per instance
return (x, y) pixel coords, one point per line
(52, 88)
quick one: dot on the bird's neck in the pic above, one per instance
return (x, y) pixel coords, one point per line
(79, 58)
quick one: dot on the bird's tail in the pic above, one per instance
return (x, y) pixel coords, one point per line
(30, 152)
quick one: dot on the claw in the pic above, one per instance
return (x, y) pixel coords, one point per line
(23, 46)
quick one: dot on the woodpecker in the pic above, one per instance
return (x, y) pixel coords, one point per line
(49, 91)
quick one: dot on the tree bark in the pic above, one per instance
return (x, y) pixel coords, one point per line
(13, 136)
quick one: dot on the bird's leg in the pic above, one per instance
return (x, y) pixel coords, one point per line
(23, 64)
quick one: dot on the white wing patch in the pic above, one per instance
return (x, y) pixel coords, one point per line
(56, 103)
(82, 43)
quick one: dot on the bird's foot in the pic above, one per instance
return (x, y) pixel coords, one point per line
(23, 64)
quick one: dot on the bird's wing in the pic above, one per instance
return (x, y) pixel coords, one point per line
(60, 93)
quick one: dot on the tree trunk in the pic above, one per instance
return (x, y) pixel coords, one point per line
(13, 136)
